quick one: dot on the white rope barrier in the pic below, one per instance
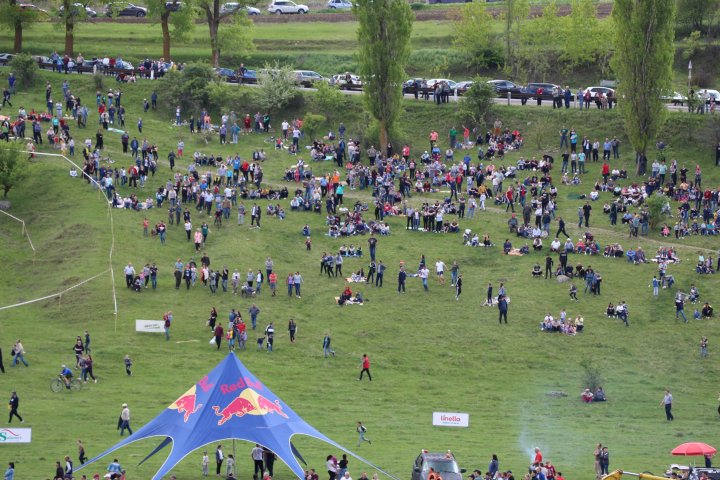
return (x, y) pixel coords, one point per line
(112, 230)
(58, 294)
(25, 233)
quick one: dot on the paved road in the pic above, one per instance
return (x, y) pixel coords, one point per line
(505, 101)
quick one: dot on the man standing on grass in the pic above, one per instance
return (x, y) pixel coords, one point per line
(13, 406)
(667, 402)
(365, 365)
(125, 419)
(257, 456)
(361, 434)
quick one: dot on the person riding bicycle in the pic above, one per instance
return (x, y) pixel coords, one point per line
(66, 375)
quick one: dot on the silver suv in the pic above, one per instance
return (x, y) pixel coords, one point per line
(287, 6)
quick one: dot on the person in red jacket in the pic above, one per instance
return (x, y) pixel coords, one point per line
(605, 172)
(365, 367)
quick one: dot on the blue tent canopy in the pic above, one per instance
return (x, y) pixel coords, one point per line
(227, 403)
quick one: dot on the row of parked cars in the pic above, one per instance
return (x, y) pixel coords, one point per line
(127, 9)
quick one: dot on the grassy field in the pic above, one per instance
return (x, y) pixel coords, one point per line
(429, 352)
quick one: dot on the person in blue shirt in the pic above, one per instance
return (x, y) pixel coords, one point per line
(66, 374)
(10, 472)
(114, 469)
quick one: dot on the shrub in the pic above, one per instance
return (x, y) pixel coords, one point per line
(592, 378)
(312, 123)
(190, 88)
(25, 68)
(330, 101)
(476, 105)
(99, 82)
(655, 204)
(419, 6)
(278, 89)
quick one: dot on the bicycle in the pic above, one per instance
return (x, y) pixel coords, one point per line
(58, 384)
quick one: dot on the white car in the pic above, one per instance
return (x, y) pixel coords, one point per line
(287, 6)
(675, 98)
(339, 4)
(604, 90)
(710, 93)
(232, 7)
(431, 83)
(341, 80)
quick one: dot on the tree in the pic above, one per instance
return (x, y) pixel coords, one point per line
(473, 25)
(587, 45)
(172, 13)
(15, 18)
(70, 14)
(515, 16)
(476, 105)
(26, 69)
(13, 167)
(278, 88)
(384, 48)
(533, 54)
(238, 34)
(312, 123)
(188, 88)
(643, 62)
(331, 102)
(697, 14)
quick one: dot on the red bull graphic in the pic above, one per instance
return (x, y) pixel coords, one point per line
(186, 404)
(249, 402)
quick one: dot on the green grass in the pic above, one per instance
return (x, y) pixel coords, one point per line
(429, 352)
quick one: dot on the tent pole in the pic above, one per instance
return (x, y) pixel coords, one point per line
(237, 473)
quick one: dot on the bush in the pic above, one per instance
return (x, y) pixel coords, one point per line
(99, 82)
(419, 6)
(25, 68)
(189, 88)
(278, 89)
(592, 378)
(312, 124)
(476, 105)
(330, 101)
(655, 204)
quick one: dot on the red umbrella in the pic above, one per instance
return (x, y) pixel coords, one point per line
(694, 449)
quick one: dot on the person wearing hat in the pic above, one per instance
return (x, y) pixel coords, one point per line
(13, 405)
(125, 419)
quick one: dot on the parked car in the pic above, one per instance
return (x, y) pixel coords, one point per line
(233, 7)
(77, 9)
(5, 58)
(431, 83)
(173, 6)
(122, 9)
(41, 58)
(675, 98)
(531, 89)
(30, 6)
(711, 93)
(464, 86)
(341, 80)
(604, 90)
(287, 6)
(442, 463)
(339, 4)
(503, 87)
(307, 78)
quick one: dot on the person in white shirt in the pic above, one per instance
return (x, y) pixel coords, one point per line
(440, 271)
(205, 464)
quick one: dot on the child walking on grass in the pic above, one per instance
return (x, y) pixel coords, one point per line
(128, 365)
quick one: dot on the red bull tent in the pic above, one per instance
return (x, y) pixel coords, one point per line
(227, 403)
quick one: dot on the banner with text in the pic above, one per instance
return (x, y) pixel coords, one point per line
(156, 326)
(445, 419)
(15, 435)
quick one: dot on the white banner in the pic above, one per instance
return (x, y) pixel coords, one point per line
(156, 326)
(15, 435)
(445, 419)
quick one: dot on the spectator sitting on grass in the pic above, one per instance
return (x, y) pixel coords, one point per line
(599, 395)
(707, 310)
(587, 396)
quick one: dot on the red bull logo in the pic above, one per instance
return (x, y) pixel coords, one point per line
(186, 404)
(249, 402)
